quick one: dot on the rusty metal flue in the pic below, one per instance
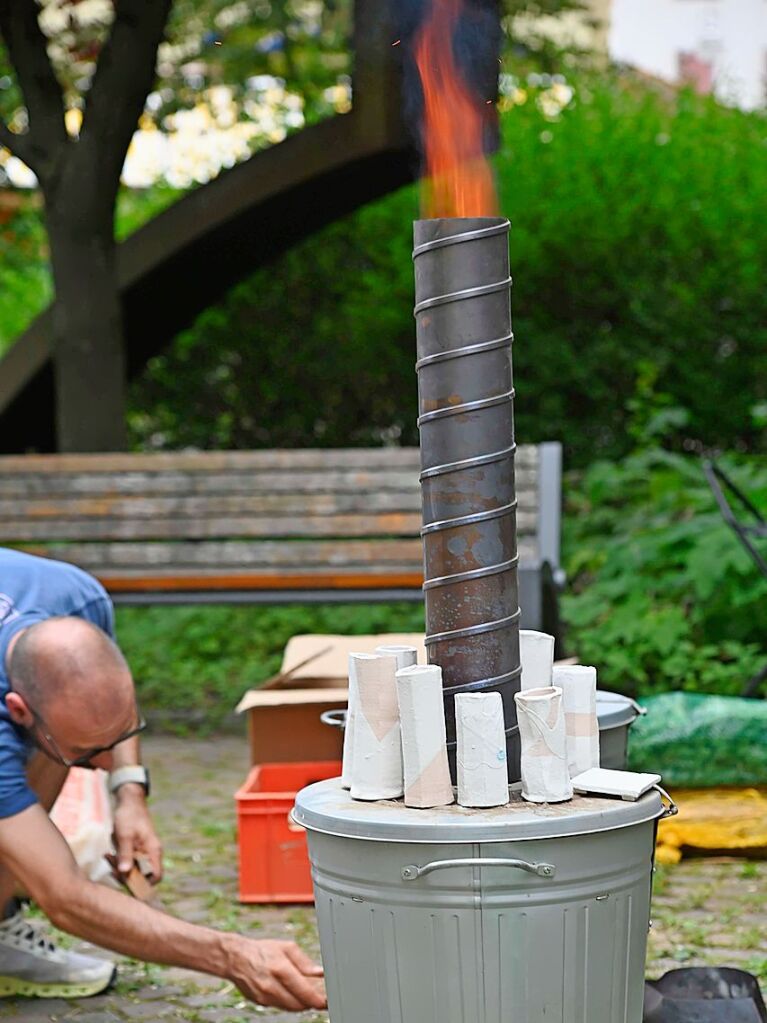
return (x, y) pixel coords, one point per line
(466, 423)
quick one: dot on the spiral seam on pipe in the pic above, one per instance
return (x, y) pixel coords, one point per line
(458, 239)
(468, 463)
(459, 296)
(469, 520)
(473, 630)
(483, 683)
(472, 573)
(465, 352)
(467, 406)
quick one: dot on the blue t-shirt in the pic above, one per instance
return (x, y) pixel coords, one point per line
(31, 590)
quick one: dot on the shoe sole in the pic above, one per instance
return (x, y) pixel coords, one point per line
(15, 986)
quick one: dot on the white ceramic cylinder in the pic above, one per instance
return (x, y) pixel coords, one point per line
(377, 763)
(351, 714)
(541, 718)
(483, 775)
(578, 683)
(424, 739)
(536, 651)
(406, 656)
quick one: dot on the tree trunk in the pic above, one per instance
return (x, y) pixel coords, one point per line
(88, 352)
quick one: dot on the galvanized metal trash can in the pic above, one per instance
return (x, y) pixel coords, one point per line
(519, 914)
(616, 714)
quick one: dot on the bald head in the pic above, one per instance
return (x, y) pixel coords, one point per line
(72, 661)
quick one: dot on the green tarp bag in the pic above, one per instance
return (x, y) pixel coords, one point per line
(698, 741)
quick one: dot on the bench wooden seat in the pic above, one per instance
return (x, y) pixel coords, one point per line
(188, 527)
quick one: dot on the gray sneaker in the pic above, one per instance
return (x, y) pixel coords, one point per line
(31, 964)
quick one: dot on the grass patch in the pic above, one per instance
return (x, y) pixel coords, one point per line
(192, 664)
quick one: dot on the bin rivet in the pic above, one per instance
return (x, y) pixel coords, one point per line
(409, 873)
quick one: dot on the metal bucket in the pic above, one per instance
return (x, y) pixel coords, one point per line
(616, 714)
(525, 913)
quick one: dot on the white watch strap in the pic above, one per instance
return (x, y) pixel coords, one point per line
(131, 773)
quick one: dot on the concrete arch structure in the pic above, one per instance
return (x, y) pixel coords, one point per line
(185, 259)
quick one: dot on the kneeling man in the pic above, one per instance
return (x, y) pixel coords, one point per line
(67, 699)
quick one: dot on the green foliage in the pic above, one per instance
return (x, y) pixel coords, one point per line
(296, 356)
(639, 299)
(300, 41)
(661, 594)
(200, 660)
(136, 208)
(660, 597)
(25, 285)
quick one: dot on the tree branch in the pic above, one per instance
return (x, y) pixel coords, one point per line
(26, 46)
(124, 76)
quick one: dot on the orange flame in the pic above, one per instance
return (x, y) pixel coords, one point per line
(460, 179)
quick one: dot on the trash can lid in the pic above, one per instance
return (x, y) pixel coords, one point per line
(615, 709)
(327, 807)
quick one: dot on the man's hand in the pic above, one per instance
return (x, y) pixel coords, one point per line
(275, 973)
(134, 834)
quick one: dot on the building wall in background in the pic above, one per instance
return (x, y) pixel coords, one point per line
(718, 45)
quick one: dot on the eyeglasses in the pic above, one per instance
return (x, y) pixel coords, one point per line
(84, 759)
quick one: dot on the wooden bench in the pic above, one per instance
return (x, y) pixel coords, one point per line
(249, 526)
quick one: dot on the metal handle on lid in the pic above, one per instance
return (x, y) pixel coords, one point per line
(334, 718)
(412, 872)
(668, 811)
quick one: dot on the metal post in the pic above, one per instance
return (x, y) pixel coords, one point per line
(466, 422)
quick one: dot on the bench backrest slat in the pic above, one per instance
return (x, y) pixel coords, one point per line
(312, 459)
(248, 511)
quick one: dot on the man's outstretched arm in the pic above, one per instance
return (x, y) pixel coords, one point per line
(268, 972)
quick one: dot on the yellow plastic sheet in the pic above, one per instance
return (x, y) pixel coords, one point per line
(715, 819)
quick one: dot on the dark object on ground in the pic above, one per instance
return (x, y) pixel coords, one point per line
(727, 495)
(704, 995)
(700, 741)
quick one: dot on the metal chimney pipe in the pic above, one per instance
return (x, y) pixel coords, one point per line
(466, 423)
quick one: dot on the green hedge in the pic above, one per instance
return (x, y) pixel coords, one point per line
(661, 594)
(660, 597)
(638, 253)
(192, 664)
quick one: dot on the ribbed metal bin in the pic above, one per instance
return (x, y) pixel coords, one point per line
(520, 914)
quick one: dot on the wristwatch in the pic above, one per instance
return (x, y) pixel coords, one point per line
(136, 773)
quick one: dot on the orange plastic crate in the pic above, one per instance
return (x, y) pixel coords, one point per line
(274, 861)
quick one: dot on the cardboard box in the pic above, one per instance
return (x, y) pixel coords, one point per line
(323, 661)
(284, 714)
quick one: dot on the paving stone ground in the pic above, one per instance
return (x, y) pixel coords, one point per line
(705, 912)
